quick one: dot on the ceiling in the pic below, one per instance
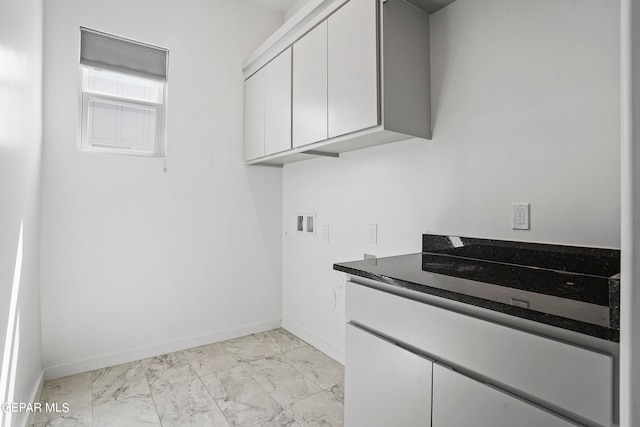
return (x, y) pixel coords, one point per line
(280, 6)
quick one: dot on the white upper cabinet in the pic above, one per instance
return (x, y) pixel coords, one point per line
(359, 76)
(310, 87)
(267, 109)
(335, 77)
(353, 67)
(277, 115)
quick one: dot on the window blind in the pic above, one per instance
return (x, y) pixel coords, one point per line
(101, 50)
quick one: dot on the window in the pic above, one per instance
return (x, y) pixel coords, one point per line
(123, 93)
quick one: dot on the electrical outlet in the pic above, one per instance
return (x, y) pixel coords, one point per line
(520, 217)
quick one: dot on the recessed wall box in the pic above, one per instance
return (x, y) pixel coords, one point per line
(306, 224)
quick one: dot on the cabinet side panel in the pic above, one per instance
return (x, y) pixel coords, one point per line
(406, 75)
(310, 87)
(353, 67)
(254, 116)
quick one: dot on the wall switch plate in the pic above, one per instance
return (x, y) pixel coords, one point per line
(324, 232)
(372, 233)
(520, 216)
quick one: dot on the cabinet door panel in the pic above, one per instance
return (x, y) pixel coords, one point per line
(353, 67)
(254, 116)
(310, 87)
(277, 114)
(385, 385)
(461, 401)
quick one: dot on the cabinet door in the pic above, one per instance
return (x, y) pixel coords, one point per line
(277, 114)
(254, 90)
(353, 67)
(461, 401)
(385, 385)
(310, 87)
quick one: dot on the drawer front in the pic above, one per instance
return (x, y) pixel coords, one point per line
(385, 385)
(461, 401)
(559, 375)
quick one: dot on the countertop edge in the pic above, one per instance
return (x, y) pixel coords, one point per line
(608, 334)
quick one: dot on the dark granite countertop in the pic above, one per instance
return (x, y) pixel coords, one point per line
(504, 276)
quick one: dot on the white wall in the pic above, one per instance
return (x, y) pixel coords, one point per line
(135, 261)
(20, 156)
(525, 109)
(630, 227)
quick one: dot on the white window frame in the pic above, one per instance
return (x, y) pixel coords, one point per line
(86, 145)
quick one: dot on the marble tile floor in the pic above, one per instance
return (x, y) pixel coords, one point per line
(267, 379)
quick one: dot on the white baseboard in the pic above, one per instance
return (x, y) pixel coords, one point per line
(35, 396)
(130, 355)
(327, 348)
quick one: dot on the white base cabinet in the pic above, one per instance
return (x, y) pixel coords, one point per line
(388, 385)
(461, 401)
(503, 376)
(385, 385)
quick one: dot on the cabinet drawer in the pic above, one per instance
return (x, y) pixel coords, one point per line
(385, 385)
(461, 401)
(556, 374)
